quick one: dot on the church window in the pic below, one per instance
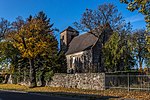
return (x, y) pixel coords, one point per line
(73, 60)
(62, 37)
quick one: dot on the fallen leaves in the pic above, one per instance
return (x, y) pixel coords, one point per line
(121, 93)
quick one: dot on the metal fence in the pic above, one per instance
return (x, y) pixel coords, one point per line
(140, 82)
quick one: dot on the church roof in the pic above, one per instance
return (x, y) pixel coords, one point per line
(86, 41)
(81, 43)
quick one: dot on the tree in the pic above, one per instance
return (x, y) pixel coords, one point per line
(148, 48)
(107, 16)
(4, 27)
(140, 50)
(127, 58)
(7, 57)
(31, 40)
(110, 51)
(94, 20)
(11, 57)
(16, 25)
(8, 53)
(117, 54)
(29, 47)
(142, 6)
(49, 56)
(148, 43)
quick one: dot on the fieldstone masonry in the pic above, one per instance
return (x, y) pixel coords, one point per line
(92, 81)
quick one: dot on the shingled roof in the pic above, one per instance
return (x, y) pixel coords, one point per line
(85, 41)
(81, 43)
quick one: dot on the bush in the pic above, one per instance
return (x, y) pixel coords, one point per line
(1, 79)
(48, 75)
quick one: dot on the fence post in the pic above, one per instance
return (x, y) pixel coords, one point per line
(128, 82)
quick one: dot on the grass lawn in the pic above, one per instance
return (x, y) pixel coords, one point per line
(111, 94)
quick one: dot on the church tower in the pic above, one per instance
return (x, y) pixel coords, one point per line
(66, 36)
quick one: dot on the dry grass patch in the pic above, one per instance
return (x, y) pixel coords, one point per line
(13, 87)
(144, 95)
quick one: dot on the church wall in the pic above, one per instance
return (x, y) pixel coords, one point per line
(63, 41)
(96, 52)
(79, 62)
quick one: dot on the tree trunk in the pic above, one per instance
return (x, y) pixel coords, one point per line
(32, 73)
(140, 63)
(43, 82)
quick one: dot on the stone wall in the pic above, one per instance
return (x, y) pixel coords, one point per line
(92, 81)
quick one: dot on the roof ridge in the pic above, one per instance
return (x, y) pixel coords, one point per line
(82, 34)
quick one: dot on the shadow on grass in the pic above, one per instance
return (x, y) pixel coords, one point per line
(77, 95)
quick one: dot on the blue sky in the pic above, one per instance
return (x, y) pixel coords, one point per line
(63, 12)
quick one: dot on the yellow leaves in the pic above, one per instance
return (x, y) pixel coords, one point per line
(35, 24)
(33, 49)
(139, 1)
(28, 40)
(27, 54)
(12, 87)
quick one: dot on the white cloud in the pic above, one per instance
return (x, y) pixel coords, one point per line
(135, 18)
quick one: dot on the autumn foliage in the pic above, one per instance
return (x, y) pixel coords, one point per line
(34, 48)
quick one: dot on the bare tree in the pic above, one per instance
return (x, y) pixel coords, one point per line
(18, 23)
(96, 19)
(4, 27)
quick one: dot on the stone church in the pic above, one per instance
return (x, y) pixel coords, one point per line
(83, 51)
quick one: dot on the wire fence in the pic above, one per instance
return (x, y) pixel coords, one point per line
(138, 82)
